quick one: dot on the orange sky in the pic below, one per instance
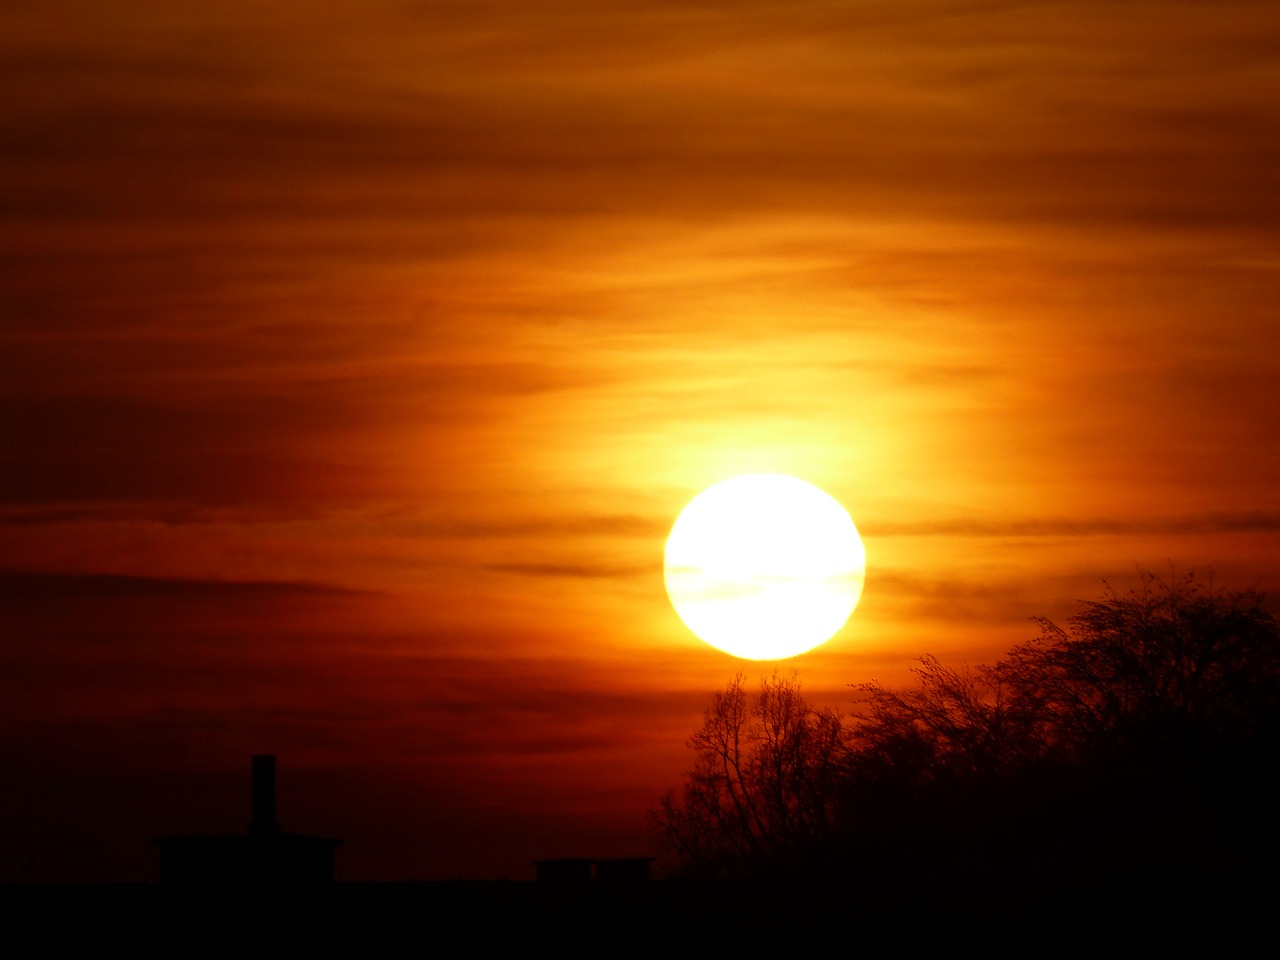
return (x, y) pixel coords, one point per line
(356, 359)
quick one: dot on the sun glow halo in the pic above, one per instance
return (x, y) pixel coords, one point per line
(764, 566)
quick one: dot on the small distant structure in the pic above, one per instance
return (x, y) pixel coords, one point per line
(581, 871)
(266, 856)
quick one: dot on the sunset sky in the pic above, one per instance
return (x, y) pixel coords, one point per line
(357, 357)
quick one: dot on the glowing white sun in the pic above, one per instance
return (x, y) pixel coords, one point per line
(764, 566)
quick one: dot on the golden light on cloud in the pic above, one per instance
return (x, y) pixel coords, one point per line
(764, 566)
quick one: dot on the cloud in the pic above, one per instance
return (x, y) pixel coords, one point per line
(1243, 522)
(603, 571)
(529, 526)
(16, 585)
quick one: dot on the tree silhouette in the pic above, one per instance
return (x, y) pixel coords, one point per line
(1166, 668)
(762, 792)
(1158, 716)
(1140, 740)
(956, 724)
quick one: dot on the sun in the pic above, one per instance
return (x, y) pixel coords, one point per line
(764, 566)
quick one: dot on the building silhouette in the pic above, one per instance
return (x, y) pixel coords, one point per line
(265, 856)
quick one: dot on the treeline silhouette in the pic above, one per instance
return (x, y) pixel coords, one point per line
(1135, 747)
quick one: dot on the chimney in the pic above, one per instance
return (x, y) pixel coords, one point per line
(264, 796)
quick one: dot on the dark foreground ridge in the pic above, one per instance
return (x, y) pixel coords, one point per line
(372, 916)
